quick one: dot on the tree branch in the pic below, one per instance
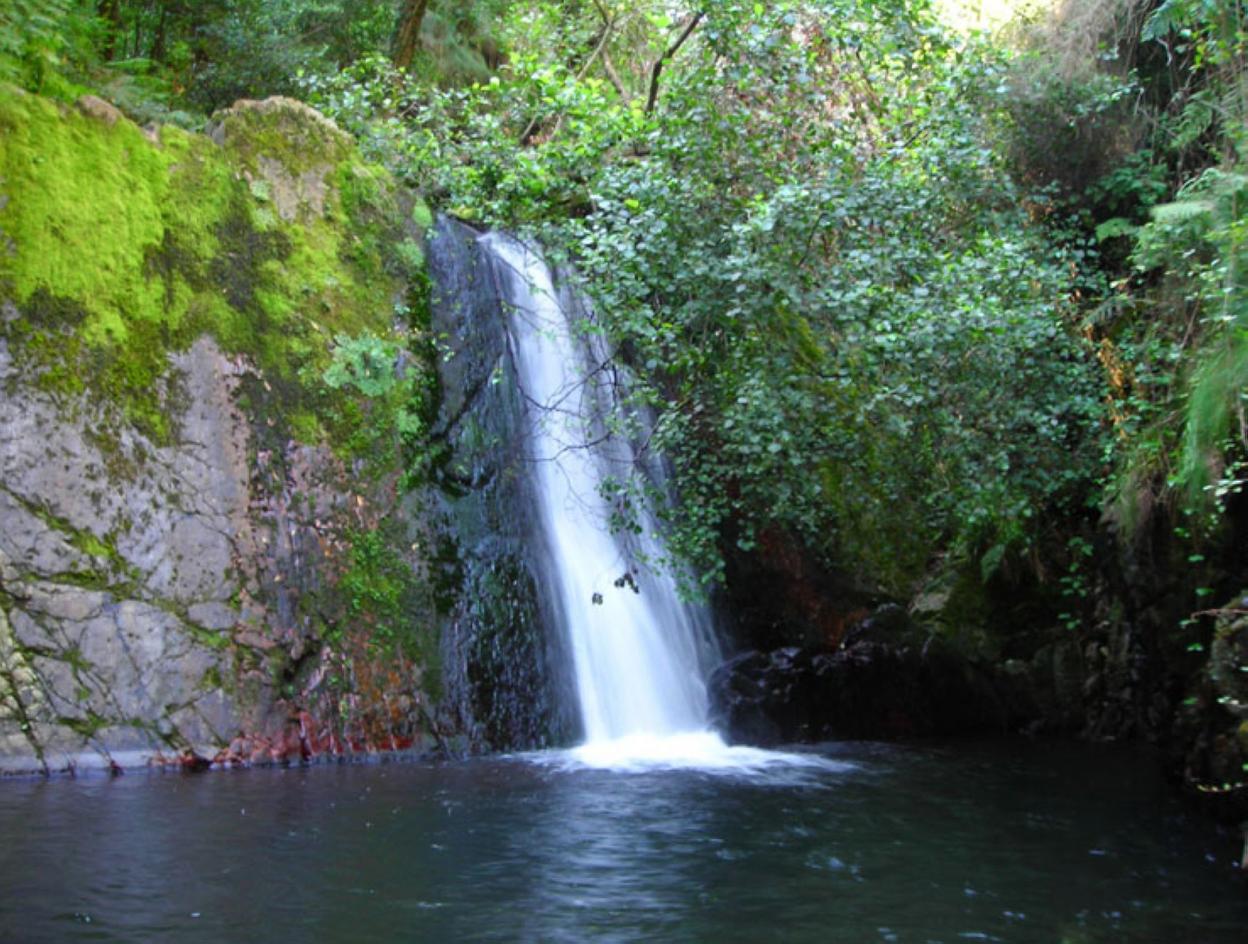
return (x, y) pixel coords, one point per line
(657, 69)
(609, 68)
(602, 43)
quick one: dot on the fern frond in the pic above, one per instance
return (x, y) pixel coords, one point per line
(1181, 211)
(1215, 400)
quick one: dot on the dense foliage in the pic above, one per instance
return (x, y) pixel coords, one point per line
(1188, 256)
(800, 241)
(916, 301)
(176, 59)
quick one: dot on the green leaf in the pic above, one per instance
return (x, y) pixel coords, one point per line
(1113, 228)
(1163, 20)
(991, 561)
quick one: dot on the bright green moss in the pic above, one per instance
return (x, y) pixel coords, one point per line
(285, 131)
(212, 639)
(84, 204)
(212, 680)
(125, 247)
(422, 216)
(86, 727)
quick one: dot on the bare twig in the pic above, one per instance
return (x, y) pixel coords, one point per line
(657, 69)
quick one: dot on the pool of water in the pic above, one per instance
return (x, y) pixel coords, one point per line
(928, 843)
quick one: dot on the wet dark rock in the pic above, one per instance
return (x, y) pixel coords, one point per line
(1212, 725)
(194, 763)
(503, 676)
(779, 594)
(889, 623)
(867, 689)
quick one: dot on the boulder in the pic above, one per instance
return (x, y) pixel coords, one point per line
(99, 109)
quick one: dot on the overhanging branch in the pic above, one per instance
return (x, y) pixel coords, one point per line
(656, 70)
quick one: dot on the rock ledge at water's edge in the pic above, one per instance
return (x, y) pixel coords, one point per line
(865, 690)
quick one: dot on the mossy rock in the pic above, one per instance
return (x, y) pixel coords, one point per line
(120, 246)
(281, 129)
(172, 311)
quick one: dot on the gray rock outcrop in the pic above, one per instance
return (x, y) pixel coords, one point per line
(204, 547)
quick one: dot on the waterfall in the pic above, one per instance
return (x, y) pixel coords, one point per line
(640, 653)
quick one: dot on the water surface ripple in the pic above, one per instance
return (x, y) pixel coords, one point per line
(957, 842)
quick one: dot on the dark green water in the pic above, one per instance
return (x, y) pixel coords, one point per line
(949, 843)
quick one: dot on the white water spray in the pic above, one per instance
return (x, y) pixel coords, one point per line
(640, 658)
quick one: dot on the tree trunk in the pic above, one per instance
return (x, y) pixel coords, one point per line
(158, 47)
(408, 37)
(110, 11)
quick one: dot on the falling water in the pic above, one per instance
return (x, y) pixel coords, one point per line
(640, 653)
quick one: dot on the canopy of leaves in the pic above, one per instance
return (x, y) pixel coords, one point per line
(827, 237)
(830, 293)
(163, 59)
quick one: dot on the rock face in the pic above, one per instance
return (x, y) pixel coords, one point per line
(505, 679)
(865, 690)
(889, 678)
(187, 568)
(114, 598)
(779, 595)
(1211, 732)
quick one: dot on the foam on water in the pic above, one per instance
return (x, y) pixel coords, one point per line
(700, 750)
